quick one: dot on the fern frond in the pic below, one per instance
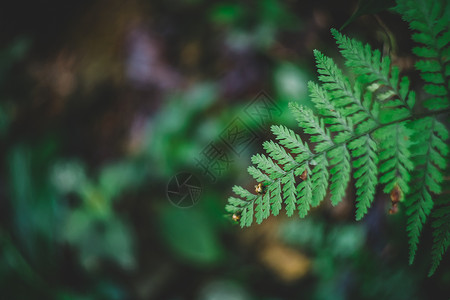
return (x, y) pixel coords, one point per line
(292, 141)
(429, 20)
(319, 179)
(304, 191)
(247, 216)
(280, 181)
(313, 126)
(340, 172)
(371, 105)
(289, 193)
(235, 205)
(276, 174)
(339, 157)
(275, 198)
(395, 167)
(344, 95)
(268, 166)
(279, 153)
(332, 115)
(258, 175)
(429, 152)
(365, 164)
(441, 231)
(240, 191)
(243, 207)
(375, 70)
(262, 208)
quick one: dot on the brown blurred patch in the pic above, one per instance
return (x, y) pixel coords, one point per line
(405, 63)
(190, 54)
(343, 210)
(55, 81)
(287, 263)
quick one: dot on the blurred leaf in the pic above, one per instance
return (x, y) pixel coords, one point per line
(382, 282)
(306, 233)
(226, 13)
(275, 13)
(223, 290)
(189, 234)
(168, 137)
(324, 265)
(67, 176)
(98, 238)
(15, 51)
(291, 83)
(346, 240)
(116, 178)
(21, 195)
(15, 262)
(264, 35)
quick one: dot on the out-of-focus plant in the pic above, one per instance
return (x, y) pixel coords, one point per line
(336, 252)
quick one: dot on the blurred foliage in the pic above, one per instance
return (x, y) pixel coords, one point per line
(103, 102)
(344, 265)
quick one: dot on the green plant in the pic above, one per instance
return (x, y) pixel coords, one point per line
(369, 122)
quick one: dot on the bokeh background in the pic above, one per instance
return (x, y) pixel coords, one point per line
(103, 102)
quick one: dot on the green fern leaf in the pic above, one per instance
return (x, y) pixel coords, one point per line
(292, 141)
(396, 165)
(278, 153)
(429, 20)
(332, 115)
(441, 233)
(262, 209)
(319, 179)
(289, 193)
(304, 191)
(267, 165)
(247, 216)
(429, 152)
(340, 173)
(313, 126)
(244, 207)
(235, 205)
(240, 191)
(339, 87)
(365, 164)
(258, 175)
(275, 198)
(259, 210)
(377, 71)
